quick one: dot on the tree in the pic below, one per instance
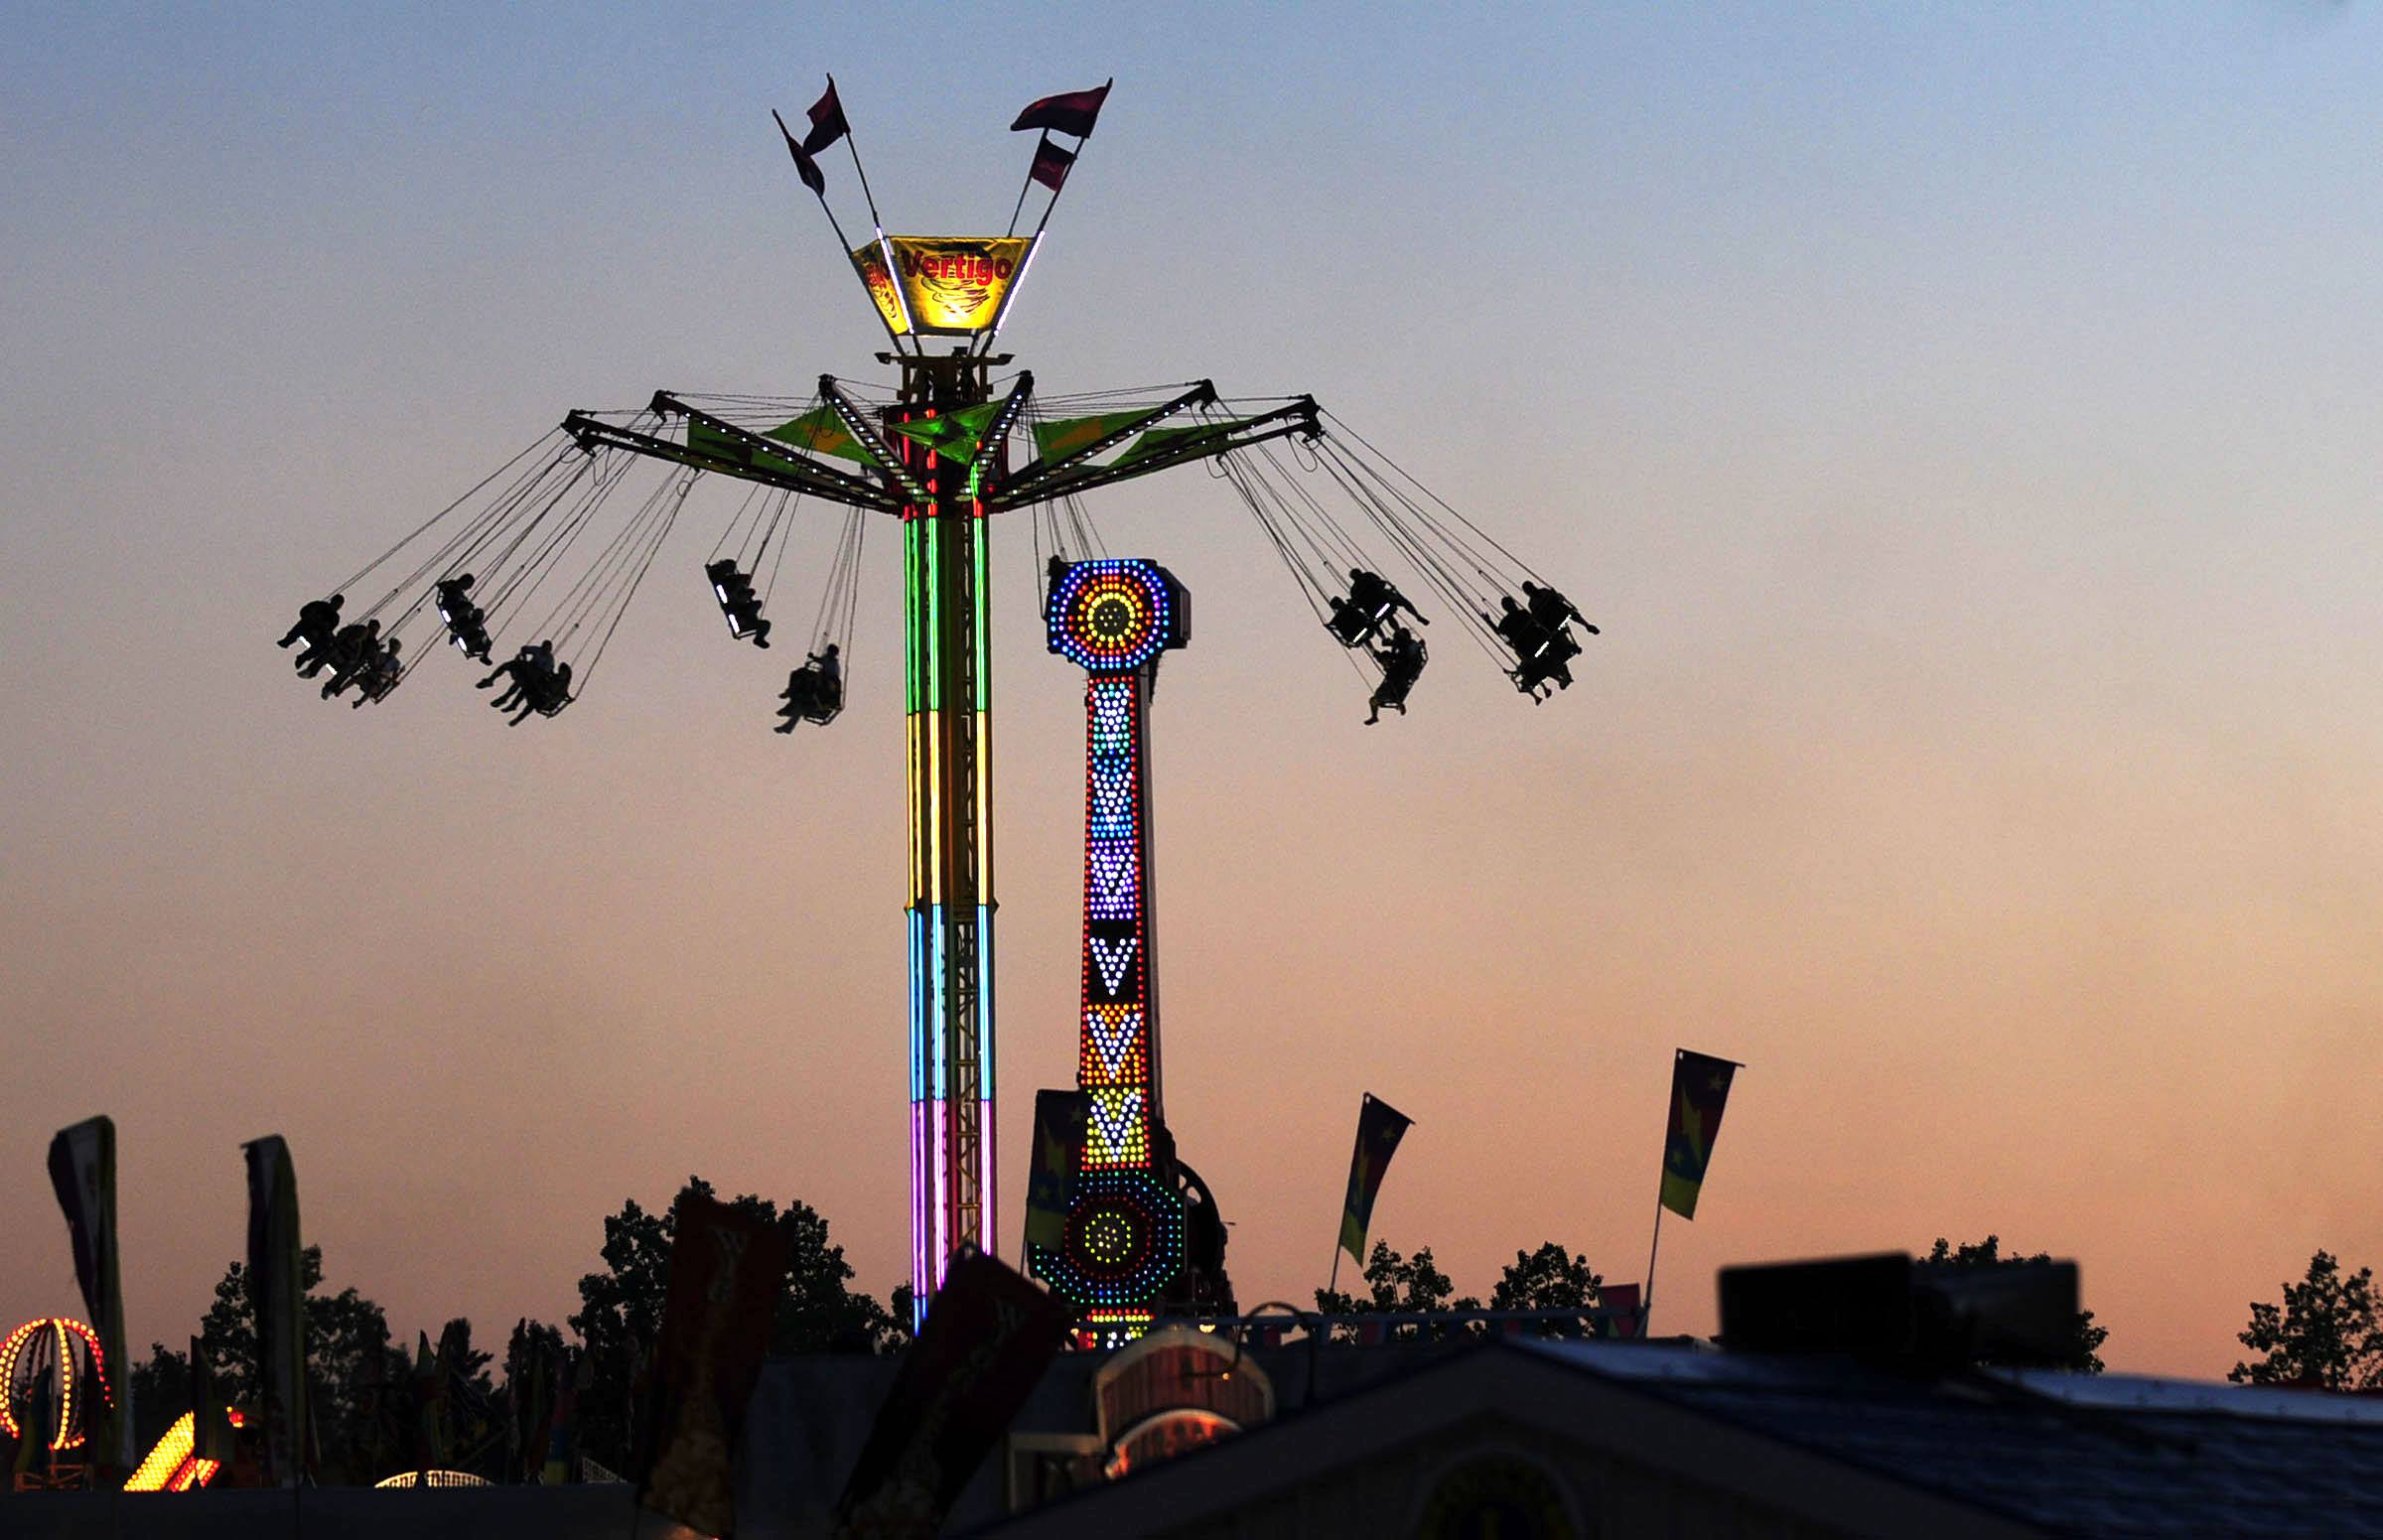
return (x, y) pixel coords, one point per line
(2328, 1332)
(1550, 1278)
(161, 1392)
(621, 1309)
(2081, 1353)
(1397, 1285)
(352, 1369)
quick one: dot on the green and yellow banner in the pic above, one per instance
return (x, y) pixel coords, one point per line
(1380, 1127)
(1700, 1087)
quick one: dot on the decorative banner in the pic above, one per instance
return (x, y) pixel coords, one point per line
(942, 285)
(985, 1344)
(82, 1171)
(1380, 1127)
(1700, 1087)
(277, 1293)
(727, 1270)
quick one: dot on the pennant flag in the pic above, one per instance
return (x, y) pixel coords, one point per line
(211, 1430)
(1380, 1127)
(1159, 441)
(982, 1350)
(822, 432)
(953, 435)
(1058, 437)
(1069, 112)
(827, 122)
(1058, 1149)
(716, 444)
(1622, 1300)
(727, 1271)
(82, 1171)
(1698, 1086)
(804, 167)
(277, 1294)
(1051, 164)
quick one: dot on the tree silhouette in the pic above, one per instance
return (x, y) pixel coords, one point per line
(2328, 1332)
(2082, 1350)
(1550, 1278)
(621, 1309)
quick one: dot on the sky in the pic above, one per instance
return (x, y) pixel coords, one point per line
(1959, 420)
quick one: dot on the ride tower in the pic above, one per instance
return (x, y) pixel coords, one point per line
(945, 450)
(1130, 1241)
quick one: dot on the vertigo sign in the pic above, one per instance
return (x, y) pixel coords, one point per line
(942, 285)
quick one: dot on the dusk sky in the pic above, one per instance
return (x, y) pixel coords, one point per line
(1961, 420)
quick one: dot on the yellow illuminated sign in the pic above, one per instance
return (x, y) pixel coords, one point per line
(941, 285)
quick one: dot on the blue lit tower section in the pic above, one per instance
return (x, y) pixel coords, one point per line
(950, 749)
(1124, 1243)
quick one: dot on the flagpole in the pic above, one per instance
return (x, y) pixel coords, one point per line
(1036, 237)
(843, 241)
(1027, 186)
(1646, 1306)
(853, 145)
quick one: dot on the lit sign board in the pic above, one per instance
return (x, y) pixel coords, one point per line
(942, 285)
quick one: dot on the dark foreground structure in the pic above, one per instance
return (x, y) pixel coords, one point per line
(1513, 1437)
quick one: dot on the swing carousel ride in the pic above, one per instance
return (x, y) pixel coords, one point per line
(528, 576)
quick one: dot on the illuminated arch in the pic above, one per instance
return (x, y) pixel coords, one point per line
(61, 1334)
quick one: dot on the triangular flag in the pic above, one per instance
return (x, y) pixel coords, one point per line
(822, 432)
(1159, 441)
(1057, 438)
(953, 435)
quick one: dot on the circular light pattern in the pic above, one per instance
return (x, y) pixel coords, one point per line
(57, 1358)
(1124, 1241)
(1112, 616)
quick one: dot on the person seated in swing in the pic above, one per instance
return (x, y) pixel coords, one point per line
(317, 623)
(534, 659)
(1402, 655)
(545, 693)
(333, 646)
(734, 590)
(1553, 611)
(352, 652)
(1373, 599)
(467, 624)
(379, 676)
(814, 692)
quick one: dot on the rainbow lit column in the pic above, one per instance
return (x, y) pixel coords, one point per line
(1123, 1240)
(950, 912)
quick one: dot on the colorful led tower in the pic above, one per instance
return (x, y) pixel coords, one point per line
(1124, 1244)
(950, 759)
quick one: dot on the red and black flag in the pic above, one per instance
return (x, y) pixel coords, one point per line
(1050, 163)
(804, 167)
(1700, 1086)
(987, 1339)
(727, 1271)
(827, 122)
(1069, 112)
(1380, 1126)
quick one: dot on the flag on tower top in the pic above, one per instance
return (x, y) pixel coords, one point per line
(1069, 112)
(827, 122)
(804, 167)
(1051, 164)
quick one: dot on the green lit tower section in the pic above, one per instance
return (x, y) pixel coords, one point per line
(949, 752)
